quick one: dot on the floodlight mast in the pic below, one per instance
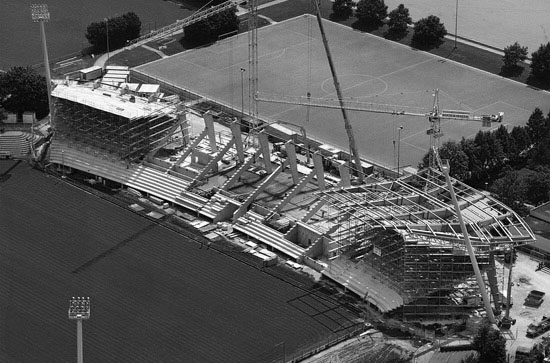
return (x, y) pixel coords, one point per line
(79, 309)
(40, 14)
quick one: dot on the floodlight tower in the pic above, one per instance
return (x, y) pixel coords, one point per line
(79, 309)
(40, 14)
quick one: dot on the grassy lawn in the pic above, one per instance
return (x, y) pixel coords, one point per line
(134, 57)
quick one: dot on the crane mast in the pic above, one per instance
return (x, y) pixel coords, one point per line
(354, 154)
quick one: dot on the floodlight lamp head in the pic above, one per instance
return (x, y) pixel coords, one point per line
(39, 12)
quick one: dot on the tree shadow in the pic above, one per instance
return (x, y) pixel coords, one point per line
(338, 17)
(537, 84)
(426, 46)
(511, 71)
(364, 26)
(395, 35)
(191, 44)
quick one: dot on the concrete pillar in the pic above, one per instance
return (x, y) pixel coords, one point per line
(264, 145)
(291, 156)
(345, 180)
(209, 125)
(319, 171)
(236, 131)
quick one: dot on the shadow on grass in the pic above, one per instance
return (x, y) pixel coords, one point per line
(339, 17)
(511, 71)
(365, 27)
(395, 36)
(537, 84)
(427, 46)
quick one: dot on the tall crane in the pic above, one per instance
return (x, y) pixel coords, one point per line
(354, 153)
(434, 116)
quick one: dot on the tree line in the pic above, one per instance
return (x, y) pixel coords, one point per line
(429, 32)
(513, 164)
(113, 33)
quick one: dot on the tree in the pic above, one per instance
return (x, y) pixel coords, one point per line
(22, 89)
(458, 160)
(538, 186)
(371, 13)
(490, 344)
(511, 190)
(428, 32)
(540, 64)
(399, 19)
(121, 29)
(209, 29)
(513, 54)
(538, 126)
(342, 9)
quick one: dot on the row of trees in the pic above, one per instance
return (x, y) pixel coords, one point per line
(210, 29)
(118, 30)
(429, 32)
(540, 61)
(513, 164)
(371, 14)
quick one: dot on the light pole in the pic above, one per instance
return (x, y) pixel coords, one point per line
(40, 14)
(242, 91)
(107, 27)
(456, 21)
(79, 309)
(398, 148)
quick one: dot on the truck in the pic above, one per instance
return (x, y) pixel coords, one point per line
(535, 298)
(536, 329)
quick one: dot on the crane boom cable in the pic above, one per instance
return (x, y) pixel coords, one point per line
(354, 154)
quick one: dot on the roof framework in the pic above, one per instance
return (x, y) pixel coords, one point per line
(421, 204)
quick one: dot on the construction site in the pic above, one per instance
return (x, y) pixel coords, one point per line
(417, 246)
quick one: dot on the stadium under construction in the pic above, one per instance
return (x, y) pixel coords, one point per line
(393, 240)
(407, 242)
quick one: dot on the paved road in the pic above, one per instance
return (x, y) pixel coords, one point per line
(498, 23)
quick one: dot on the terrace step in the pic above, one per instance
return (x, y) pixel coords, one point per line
(351, 277)
(191, 201)
(139, 177)
(270, 237)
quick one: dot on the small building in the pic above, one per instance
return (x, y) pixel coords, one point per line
(147, 90)
(91, 73)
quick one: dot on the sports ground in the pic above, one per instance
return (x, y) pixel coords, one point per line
(155, 295)
(292, 61)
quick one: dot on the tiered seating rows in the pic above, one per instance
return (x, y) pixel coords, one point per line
(266, 235)
(383, 297)
(139, 177)
(212, 208)
(15, 144)
(191, 201)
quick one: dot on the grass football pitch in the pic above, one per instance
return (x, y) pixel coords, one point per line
(292, 61)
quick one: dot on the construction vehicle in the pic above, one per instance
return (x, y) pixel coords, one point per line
(536, 329)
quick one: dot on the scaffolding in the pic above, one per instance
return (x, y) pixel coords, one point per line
(405, 233)
(128, 135)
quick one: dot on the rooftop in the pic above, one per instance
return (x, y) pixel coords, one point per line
(110, 99)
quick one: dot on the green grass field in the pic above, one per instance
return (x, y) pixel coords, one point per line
(292, 61)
